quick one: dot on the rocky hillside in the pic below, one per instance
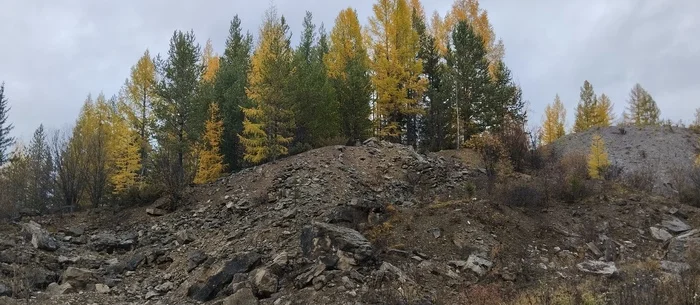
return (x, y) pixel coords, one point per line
(373, 224)
(655, 149)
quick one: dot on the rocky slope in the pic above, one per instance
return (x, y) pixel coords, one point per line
(655, 149)
(373, 224)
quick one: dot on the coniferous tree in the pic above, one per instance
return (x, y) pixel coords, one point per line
(140, 94)
(473, 91)
(124, 149)
(314, 95)
(348, 69)
(229, 88)
(40, 168)
(586, 109)
(597, 158)
(397, 70)
(269, 124)
(554, 121)
(603, 112)
(506, 100)
(5, 127)
(642, 109)
(435, 124)
(210, 165)
(69, 165)
(178, 109)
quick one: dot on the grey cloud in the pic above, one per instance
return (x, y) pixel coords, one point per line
(55, 53)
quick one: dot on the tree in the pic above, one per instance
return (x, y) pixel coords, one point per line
(314, 96)
(140, 94)
(348, 69)
(603, 112)
(586, 109)
(269, 123)
(470, 12)
(210, 165)
(397, 70)
(69, 165)
(39, 186)
(473, 93)
(92, 129)
(554, 121)
(229, 88)
(5, 139)
(123, 150)
(506, 102)
(642, 109)
(178, 106)
(435, 124)
(210, 61)
(597, 158)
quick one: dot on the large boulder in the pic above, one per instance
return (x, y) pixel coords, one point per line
(683, 247)
(40, 238)
(264, 282)
(107, 242)
(660, 234)
(322, 239)
(55, 289)
(243, 296)
(674, 225)
(209, 288)
(597, 267)
(78, 278)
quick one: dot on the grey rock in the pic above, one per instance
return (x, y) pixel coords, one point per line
(436, 232)
(68, 260)
(387, 269)
(155, 212)
(109, 243)
(208, 290)
(55, 289)
(264, 282)
(40, 278)
(305, 278)
(102, 288)
(478, 265)
(674, 267)
(5, 290)
(115, 266)
(78, 278)
(6, 244)
(674, 225)
(322, 239)
(165, 287)
(40, 238)
(243, 296)
(133, 263)
(660, 234)
(679, 248)
(597, 267)
(185, 237)
(194, 259)
(319, 282)
(151, 294)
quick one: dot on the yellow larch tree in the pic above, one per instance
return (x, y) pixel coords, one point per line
(603, 112)
(123, 151)
(469, 11)
(554, 123)
(396, 68)
(440, 32)
(211, 63)
(597, 158)
(268, 125)
(140, 95)
(211, 161)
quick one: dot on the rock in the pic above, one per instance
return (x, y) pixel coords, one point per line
(107, 242)
(264, 282)
(116, 266)
(478, 265)
(674, 225)
(243, 296)
(40, 239)
(279, 263)
(185, 237)
(208, 290)
(134, 261)
(151, 294)
(155, 212)
(68, 260)
(194, 259)
(6, 244)
(322, 239)
(102, 288)
(680, 247)
(660, 234)
(594, 249)
(75, 231)
(165, 287)
(305, 278)
(40, 278)
(435, 231)
(674, 267)
(55, 289)
(318, 282)
(78, 278)
(387, 269)
(597, 267)
(5, 290)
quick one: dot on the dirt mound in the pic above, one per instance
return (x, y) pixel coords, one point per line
(373, 224)
(655, 149)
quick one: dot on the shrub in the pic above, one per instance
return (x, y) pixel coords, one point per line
(493, 153)
(611, 172)
(567, 179)
(515, 141)
(641, 179)
(522, 195)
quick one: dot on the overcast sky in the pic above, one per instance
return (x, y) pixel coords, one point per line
(56, 52)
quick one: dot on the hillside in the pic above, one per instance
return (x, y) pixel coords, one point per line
(372, 224)
(655, 149)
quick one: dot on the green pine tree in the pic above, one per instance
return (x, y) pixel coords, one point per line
(229, 88)
(178, 108)
(507, 102)
(642, 108)
(40, 168)
(5, 139)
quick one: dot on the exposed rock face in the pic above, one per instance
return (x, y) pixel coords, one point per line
(660, 234)
(264, 282)
(40, 239)
(675, 225)
(5, 290)
(78, 278)
(243, 296)
(322, 239)
(109, 243)
(597, 267)
(206, 291)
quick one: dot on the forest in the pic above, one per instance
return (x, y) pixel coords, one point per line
(189, 116)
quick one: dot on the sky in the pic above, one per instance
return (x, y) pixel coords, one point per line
(56, 52)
